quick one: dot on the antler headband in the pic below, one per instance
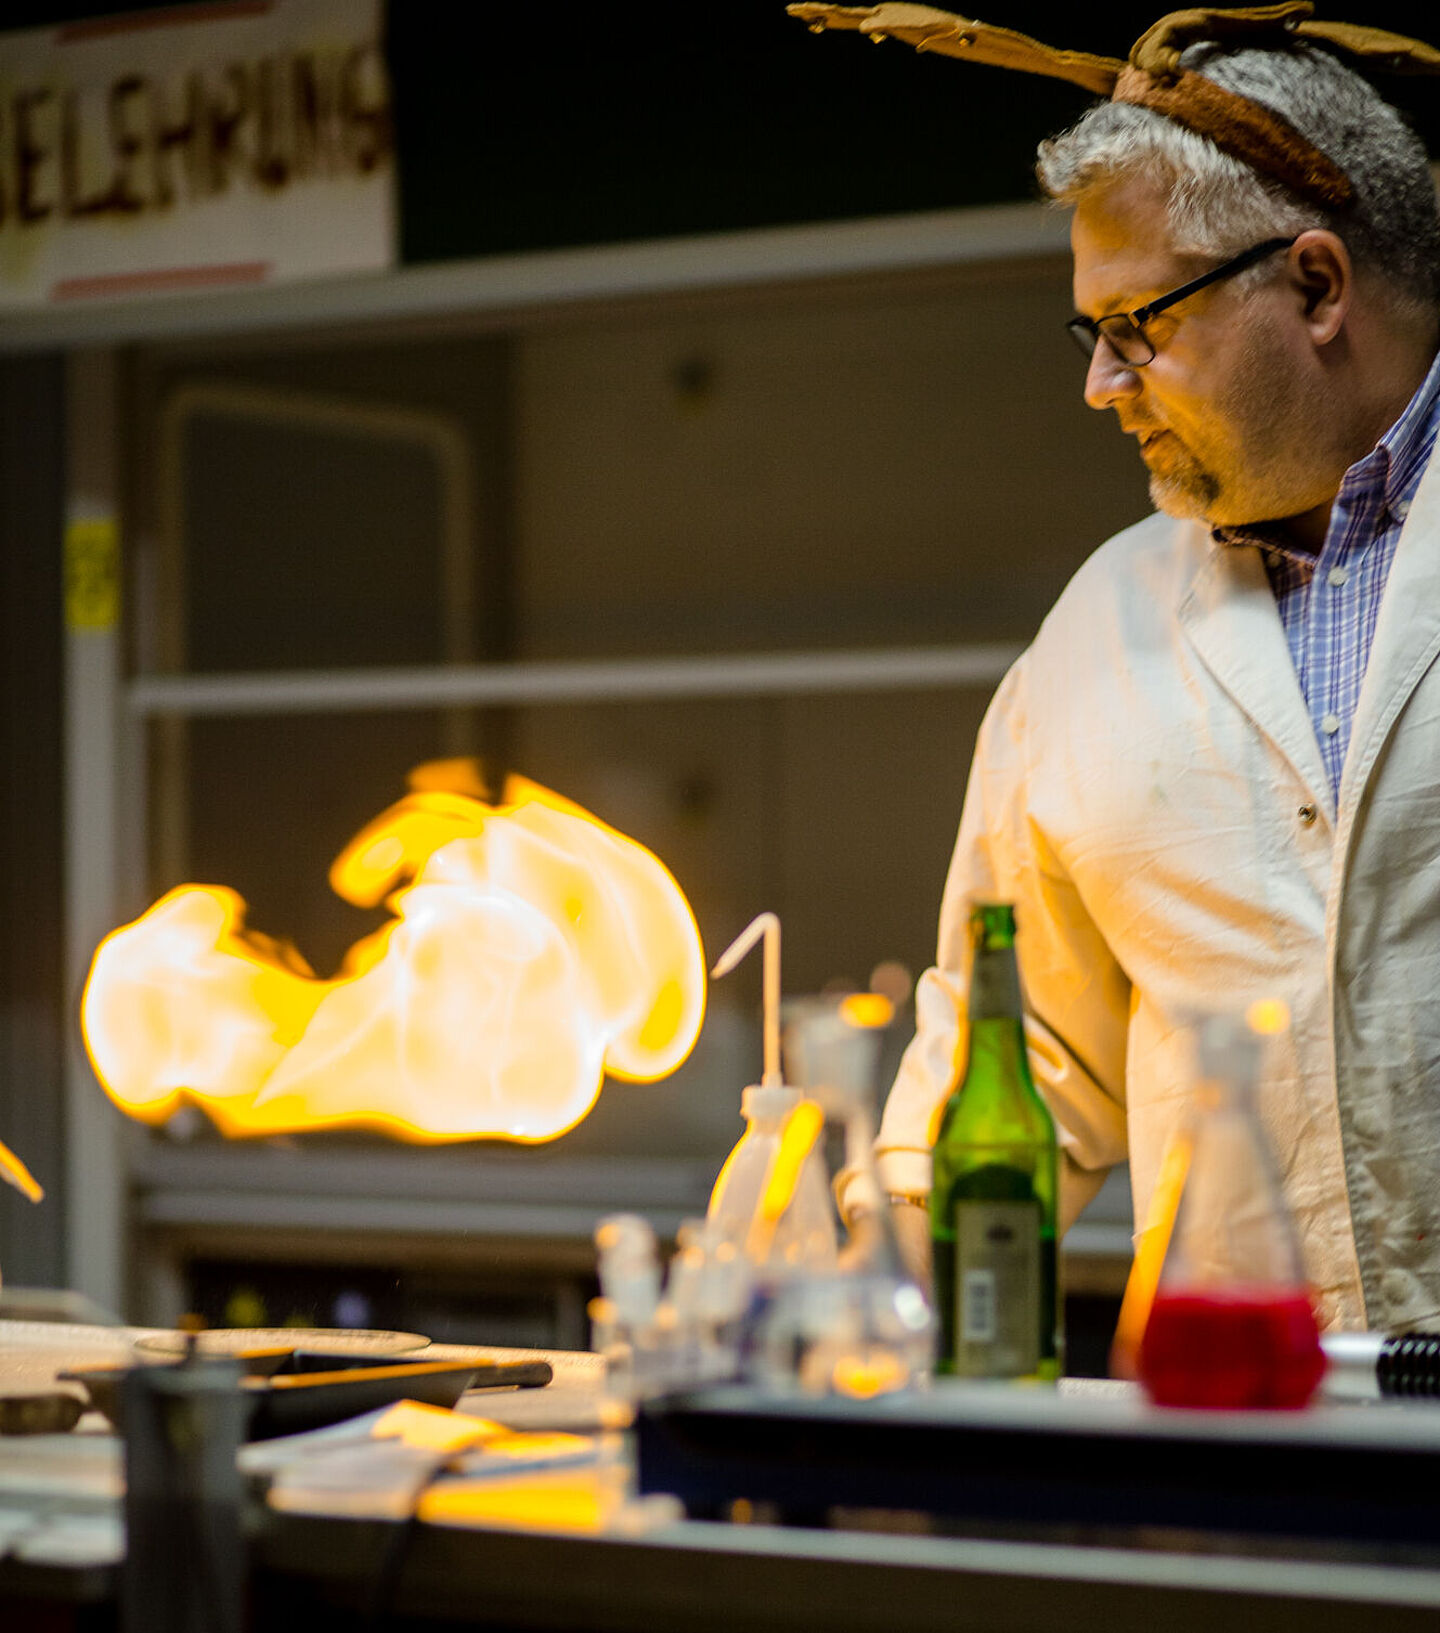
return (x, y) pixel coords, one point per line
(1153, 77)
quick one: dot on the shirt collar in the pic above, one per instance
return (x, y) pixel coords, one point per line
(1408, 443)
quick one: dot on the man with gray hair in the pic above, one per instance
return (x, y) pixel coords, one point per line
(1215, 774)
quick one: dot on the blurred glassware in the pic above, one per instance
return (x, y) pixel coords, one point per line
(772, 1196)
(869, 1328)
(1232, 1324)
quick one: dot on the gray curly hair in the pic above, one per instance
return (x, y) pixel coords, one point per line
(1218, 204)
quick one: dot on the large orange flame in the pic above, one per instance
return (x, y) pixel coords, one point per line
(533, 950)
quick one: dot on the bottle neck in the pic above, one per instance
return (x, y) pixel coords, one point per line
(997, 1050)
(996, 1055)
(994, 985)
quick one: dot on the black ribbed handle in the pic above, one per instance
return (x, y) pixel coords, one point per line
(1410, 1365)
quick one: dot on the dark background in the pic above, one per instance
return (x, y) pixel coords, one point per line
(529, 127)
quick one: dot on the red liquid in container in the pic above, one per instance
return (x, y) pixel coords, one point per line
(1231, 1349)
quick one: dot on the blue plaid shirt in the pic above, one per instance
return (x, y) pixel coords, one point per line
(1329, 604)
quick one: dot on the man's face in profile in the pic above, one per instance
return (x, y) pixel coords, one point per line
(1219, 412)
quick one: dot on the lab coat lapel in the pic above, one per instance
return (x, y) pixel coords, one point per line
(1230, 617)
(1407, 638)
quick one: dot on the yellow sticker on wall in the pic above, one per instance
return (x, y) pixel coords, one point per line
(92, 574)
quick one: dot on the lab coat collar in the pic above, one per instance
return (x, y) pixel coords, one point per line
(1407, 639)
(1228, 613)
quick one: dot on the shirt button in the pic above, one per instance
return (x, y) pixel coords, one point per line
(1329, 724)
(1400, 509)
(1307, 815)
(1338, 575)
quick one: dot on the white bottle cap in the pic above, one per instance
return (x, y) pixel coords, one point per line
(767, 1102)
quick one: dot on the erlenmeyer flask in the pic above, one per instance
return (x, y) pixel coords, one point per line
(1232, 1324)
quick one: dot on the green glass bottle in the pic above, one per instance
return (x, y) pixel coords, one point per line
(993, 1196)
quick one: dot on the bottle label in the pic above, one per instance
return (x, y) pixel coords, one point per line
(997, 1289)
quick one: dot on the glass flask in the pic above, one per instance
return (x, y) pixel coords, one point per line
(1232, 1324)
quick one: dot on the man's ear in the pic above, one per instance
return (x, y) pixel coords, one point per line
(1323, 277)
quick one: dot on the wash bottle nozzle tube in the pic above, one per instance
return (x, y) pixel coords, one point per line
(767, 925)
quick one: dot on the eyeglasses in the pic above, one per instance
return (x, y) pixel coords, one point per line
(1124, 332)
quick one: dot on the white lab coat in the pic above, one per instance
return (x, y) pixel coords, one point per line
(1148, 790)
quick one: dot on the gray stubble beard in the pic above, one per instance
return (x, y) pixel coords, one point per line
(1268, 411)
(1187, 498)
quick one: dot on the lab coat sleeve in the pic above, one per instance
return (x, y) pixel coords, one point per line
(1077, 997)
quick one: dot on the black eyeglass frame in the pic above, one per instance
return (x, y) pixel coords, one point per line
(1086, 332)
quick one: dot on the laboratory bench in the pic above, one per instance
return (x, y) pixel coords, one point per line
(691, 1576)
(697, 1576)
(999, 1509)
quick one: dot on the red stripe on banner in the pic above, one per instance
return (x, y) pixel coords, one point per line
(184, 277)
(131, 22)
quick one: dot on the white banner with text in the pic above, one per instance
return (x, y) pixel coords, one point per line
(193, 147)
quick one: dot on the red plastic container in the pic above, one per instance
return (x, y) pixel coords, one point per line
(1231, 1349)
